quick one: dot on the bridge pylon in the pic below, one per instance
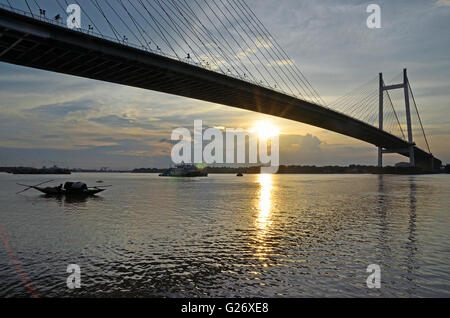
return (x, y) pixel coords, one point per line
(410, 149)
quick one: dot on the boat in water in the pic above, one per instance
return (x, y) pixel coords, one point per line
(184, 170)
(68, 189)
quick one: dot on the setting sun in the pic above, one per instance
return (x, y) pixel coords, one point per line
(265, 130)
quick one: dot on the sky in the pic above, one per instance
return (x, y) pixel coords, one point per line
(48, 118)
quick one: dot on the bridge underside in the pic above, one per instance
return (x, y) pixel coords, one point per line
(33, 43)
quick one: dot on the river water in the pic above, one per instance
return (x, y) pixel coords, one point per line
(224, 236)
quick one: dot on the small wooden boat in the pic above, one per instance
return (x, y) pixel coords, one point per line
(69, 189)
(239, 175)
(59, 191)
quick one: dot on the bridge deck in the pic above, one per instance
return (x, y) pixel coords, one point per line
(34, 43)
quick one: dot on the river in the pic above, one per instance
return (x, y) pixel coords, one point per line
(224, 236)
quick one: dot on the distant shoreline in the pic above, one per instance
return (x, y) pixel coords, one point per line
(294, 169)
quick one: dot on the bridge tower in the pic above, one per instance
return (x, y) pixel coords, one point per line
(410, 149)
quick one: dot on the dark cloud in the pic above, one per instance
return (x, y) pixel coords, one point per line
(61, 110)
(113, 120)
(168, 141)
(307, 143)
(122, 122)
(50, 136)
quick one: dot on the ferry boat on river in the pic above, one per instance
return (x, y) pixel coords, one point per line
(184, 170)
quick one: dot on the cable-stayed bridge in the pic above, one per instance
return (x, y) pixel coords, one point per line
(217, 51)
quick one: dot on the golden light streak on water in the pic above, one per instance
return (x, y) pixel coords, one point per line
(263, 220)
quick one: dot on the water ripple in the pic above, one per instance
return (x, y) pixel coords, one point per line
(221, 236)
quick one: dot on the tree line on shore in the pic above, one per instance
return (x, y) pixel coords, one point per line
(298, 169)
(283, 169)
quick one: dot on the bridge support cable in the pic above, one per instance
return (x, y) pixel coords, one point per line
(369, 108)
(179, 31)
(396, 124)
(361, 103)
(389, 118)
(170, 21)
(259, 47)
(226, 44)
(234, 43)
(206, 51)
(280, 49)
(354, 106)
(418, 116)
(164, 33)
(242, 50)
(234, 54)
(169, 24)
(350, 96)
(125, 39)
(220, 43)
(141, 31)
(148, 39)
(85, 12)
(204, 36)
(29, 8)
(350, 104)
(235, 19)
(156, 30)
(265, 43)
(240, 21)
(113, 29)
(37, 4)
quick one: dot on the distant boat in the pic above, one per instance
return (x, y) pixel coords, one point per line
(184, 170)
(69, 189)
(239, 175)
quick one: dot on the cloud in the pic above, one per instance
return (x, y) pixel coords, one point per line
(122, 122)
(285, 62)
(300, 149)
(62, 109)
(262, 42)
(443, 3)
(307, 142)
(114, 120)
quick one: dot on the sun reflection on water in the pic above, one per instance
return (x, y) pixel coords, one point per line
(263, 219)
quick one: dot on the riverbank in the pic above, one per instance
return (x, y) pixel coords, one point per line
(283, 169)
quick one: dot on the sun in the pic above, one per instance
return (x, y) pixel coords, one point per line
(265, 130)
